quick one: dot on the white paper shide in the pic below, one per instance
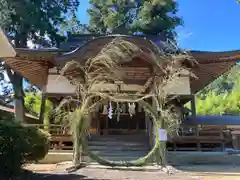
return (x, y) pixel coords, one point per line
(162, 134)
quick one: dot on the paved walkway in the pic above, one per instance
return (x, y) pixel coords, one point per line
(214, 172)
(206, 172)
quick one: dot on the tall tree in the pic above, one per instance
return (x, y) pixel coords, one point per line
(30, 19)
(72, 25)
(150, 17)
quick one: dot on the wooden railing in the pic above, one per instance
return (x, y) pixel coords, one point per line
(200, 136)
(61, 137)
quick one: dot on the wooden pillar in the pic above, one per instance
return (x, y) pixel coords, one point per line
(146, 118)
(98, 124)
(193, 106)
(42, 108)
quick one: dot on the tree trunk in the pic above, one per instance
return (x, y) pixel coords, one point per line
(17, 83)
(19, 98)
(17, 80)
(42, 108)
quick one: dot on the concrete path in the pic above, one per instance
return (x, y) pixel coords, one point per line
(214, 172)
(196, 172)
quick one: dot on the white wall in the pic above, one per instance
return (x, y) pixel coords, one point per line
(59, 85)
(181, 86)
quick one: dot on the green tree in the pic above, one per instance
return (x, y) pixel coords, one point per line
(33, 105)
(72, 25)
(28, 19)
(150, 17)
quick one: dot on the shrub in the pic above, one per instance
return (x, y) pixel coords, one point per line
(20, 145)
(38, 144)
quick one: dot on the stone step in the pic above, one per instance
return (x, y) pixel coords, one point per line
(121, 153)
(116, 143)
(119, 138)
(119, 148)
(114, 158)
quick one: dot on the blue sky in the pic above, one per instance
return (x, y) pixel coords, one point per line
(211, 25)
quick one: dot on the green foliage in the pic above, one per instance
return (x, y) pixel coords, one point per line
(33, 104)
(219, 104)
(23, 18)
(72, 25)
(222, 96)
(38, 144)
(224, 83)
(20, 145)
(151, 17)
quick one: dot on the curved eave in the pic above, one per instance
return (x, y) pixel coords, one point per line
(211, 65)
(33, 64)
(92, 47)
(206, 57)
(46, 56)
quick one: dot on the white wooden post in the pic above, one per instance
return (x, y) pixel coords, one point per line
(6, 49)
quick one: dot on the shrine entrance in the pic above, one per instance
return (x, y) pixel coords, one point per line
(122, 122)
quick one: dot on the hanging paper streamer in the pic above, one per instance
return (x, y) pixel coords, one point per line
(105, 111)
(162, 133)
(131, 109)
(158, 108)
(118, 111)
(110, 111)
(123, 108)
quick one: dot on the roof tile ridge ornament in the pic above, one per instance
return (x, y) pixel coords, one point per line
(7, 50)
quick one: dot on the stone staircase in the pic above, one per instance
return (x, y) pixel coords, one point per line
(119, 147)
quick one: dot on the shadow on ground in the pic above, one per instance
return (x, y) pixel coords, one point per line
(49, 176)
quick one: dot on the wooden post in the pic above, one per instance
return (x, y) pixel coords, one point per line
(198, 142)
(146, 118)
(42, 108)
(98, 124)
(7, 50)
(193, 106)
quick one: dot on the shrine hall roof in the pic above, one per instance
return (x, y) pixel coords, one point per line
(34, 64)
